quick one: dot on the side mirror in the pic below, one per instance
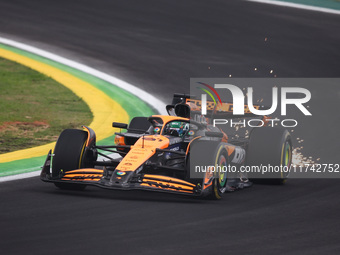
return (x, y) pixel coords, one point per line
(119, 125)
(182, 110)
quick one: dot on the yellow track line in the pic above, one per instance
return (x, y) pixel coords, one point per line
(104, 109)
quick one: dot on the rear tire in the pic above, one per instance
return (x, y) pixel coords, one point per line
(68, 155)
(270, 146)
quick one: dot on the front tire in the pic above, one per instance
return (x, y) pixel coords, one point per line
(206, 153)
(220, 177)
(69, 155)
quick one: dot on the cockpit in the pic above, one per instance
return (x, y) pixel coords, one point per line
(177, 128)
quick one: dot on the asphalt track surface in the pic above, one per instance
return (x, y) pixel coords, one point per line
(159, 45)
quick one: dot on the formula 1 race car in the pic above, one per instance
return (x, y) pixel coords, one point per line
(181, 153)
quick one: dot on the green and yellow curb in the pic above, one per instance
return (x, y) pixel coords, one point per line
(107, 102)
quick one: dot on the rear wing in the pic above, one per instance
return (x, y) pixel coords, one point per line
(184, 104)
(214, 110)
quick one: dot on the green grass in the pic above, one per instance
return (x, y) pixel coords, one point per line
(34, 108)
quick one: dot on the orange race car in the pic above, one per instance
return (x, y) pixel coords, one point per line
(174, 153)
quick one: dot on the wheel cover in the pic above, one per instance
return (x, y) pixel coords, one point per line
(222, 175)
(287, 159)
(288, 154)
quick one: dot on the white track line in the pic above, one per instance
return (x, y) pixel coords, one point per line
(20, 176)
(35, 171)
(134, 90)
(299, 6)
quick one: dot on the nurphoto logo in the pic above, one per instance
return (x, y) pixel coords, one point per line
(239, 108)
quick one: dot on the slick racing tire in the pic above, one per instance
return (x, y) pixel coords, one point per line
(68, 155)
(206, 153)
(269, 155)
